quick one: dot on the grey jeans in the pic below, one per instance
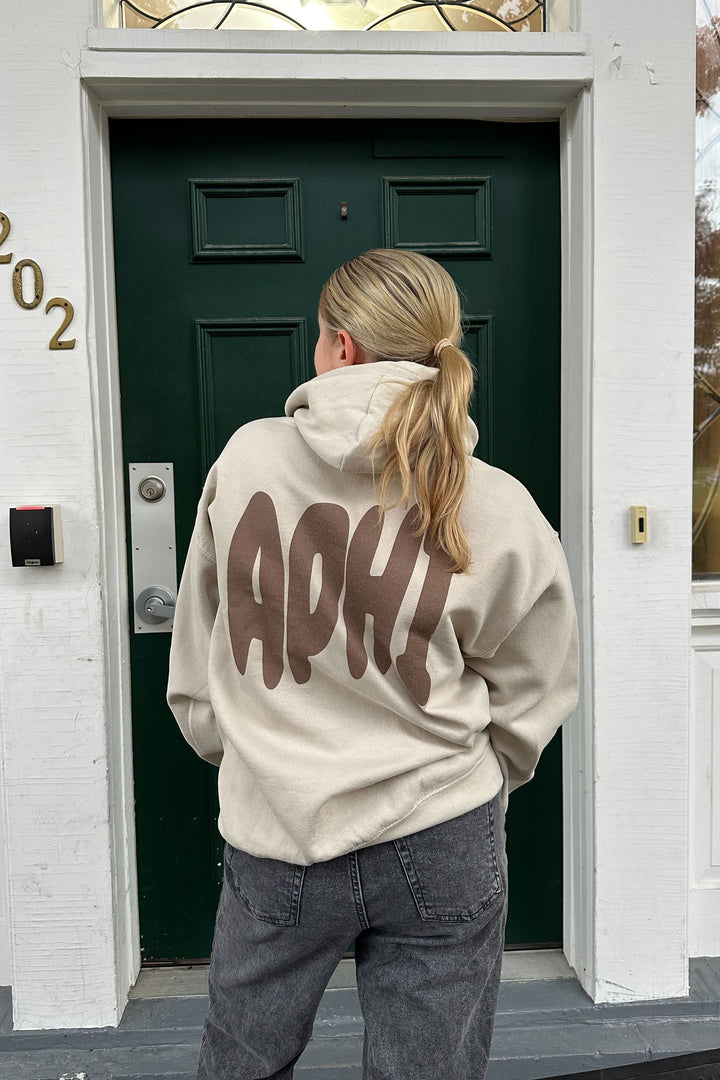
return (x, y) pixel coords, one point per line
(427, 914)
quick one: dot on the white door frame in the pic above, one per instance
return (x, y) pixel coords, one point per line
(552, 82)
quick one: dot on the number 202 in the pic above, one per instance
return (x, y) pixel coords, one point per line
(57, 301)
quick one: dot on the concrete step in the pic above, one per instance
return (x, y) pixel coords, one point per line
(544, 1027)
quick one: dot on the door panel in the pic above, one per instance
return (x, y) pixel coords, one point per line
(437, 215)
(276, 348)
(225, 231)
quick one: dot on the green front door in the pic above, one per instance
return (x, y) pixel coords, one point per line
(225, 231)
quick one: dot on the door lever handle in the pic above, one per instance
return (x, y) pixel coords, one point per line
(155, 604)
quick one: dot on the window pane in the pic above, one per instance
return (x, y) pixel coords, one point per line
(706, 421)
(518, 16)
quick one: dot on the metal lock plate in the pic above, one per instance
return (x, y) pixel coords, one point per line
(154, 555)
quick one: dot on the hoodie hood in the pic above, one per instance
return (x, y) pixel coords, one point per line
(338, 412)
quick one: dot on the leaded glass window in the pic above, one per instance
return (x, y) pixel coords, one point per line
(706, 422)
(496, 15)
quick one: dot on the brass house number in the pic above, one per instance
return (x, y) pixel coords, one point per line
(38, 288)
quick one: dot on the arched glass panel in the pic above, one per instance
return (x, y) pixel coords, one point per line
(503, 16)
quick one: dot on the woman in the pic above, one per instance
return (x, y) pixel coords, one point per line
(365, 764)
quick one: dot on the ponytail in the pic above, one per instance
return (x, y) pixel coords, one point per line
(401, 305)
(424, 437)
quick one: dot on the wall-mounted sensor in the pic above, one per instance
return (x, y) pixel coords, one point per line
(36, 535)
(638, 524)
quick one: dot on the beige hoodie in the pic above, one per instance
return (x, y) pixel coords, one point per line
(334, 731)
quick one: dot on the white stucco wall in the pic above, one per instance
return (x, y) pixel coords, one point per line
(66, 779)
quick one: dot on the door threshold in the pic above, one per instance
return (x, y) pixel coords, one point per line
(518, 965)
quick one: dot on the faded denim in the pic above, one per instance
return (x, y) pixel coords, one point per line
(427, 913)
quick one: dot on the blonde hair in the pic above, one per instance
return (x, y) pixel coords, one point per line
(400, 305)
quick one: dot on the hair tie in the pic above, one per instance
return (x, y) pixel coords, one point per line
(441, 345)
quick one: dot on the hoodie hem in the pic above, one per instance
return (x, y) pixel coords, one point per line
(472, 789)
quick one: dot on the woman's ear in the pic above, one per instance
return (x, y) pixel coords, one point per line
(350, 353)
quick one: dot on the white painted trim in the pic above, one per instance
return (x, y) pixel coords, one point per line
(579, 856)
(704, 936)
(104, 377)
(338, 42)
(563, 16)
(368, 100)
(542, 95)
(705, 597)
(576, 165)
(5, 914)
(704, 831)
(273, 74)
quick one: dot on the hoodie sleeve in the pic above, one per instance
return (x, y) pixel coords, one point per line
(532, 676)
(195, 613)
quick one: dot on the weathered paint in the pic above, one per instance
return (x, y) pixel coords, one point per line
(641, 453)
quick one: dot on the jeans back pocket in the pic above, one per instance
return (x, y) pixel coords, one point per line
(268, 889)
(458, 868)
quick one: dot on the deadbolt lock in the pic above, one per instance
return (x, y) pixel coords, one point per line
(152, 488)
